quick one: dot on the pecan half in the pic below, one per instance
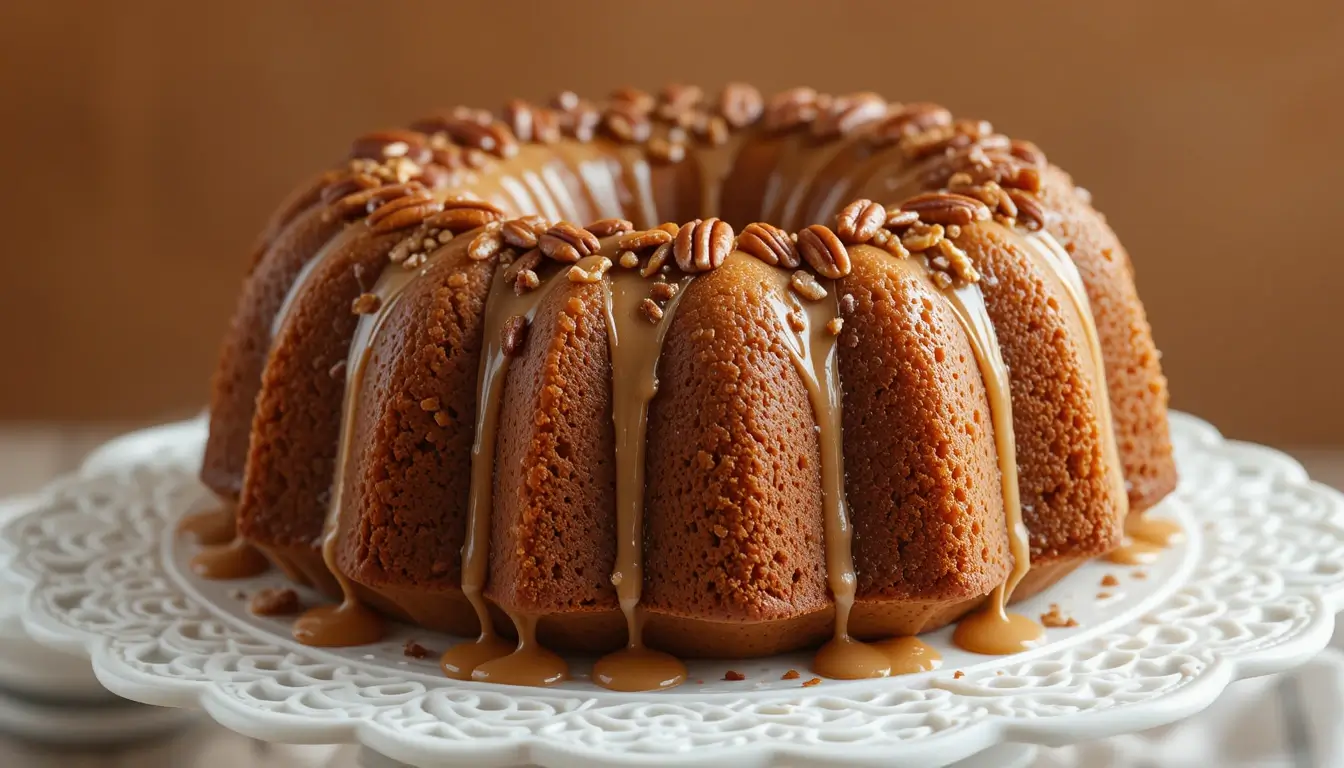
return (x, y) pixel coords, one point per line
(859, 221)
(899, 221)
(522, 233)
(1027, 152)
(568, 243)
(703, 245)
(947, 208)
(824, 252)
(1030, 213)
(493, 137)
(634, 99)
(741, 104)
(459, 220)
(770, 244)
(910, 119)
(677, 99)
(791, 109)
(349, 184)
(404, 212)
(609, 227)
(520, 117)
(848, 113)
(397, 142)
(365, 201)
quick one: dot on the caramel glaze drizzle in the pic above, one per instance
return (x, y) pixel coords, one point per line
(636, 342)
(464, 142)
(490, 657)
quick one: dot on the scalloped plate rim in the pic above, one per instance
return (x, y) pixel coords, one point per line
(947, 746)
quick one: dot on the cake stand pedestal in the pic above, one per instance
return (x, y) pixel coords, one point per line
(1251, 591)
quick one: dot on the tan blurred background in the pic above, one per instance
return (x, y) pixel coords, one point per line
(144, 142)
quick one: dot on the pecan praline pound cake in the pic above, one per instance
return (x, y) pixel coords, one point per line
(685, 376)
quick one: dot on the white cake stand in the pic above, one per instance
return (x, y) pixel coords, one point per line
(1253, 590)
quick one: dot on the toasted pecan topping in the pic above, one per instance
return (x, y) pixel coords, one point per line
(609, 227)
(662, 291)
(740, 105)
(568, 243)
(518, 115)
(805, 284)
(702, 245)
(584, 272)
(663, 151)
(349, 184)
(577, 117)
(527, 280)
(899, 220)
(947, 257)
(790, 109)
(849, 113)
(890, 242)
(657, 259)
(651, 311)
(366, 304)
(365, 201)
(946, 208)
(677, 99)
(633, 99)
(824, 252)
(1027, 152)
(528, 261)
(397, 142)
(488, 243)
(835, 325)
(522, 233)
(627, 125)
(404, 212)
(628, 259)
(910, 119)
(465, 217)
(648, 238)
(770, 244)
(859, 221)
(1029, 211)
(566, 101)
(921, 237)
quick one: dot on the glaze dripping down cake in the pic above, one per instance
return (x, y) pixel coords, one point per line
(677, 376)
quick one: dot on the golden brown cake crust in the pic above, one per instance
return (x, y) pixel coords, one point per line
(1066, 485)
(296, 426)
(922, 475)
(733, 530)
(248, 341)
(404, 502)
(1134, 374)
(553, 532)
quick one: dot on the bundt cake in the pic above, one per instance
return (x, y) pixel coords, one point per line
(675, 376)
